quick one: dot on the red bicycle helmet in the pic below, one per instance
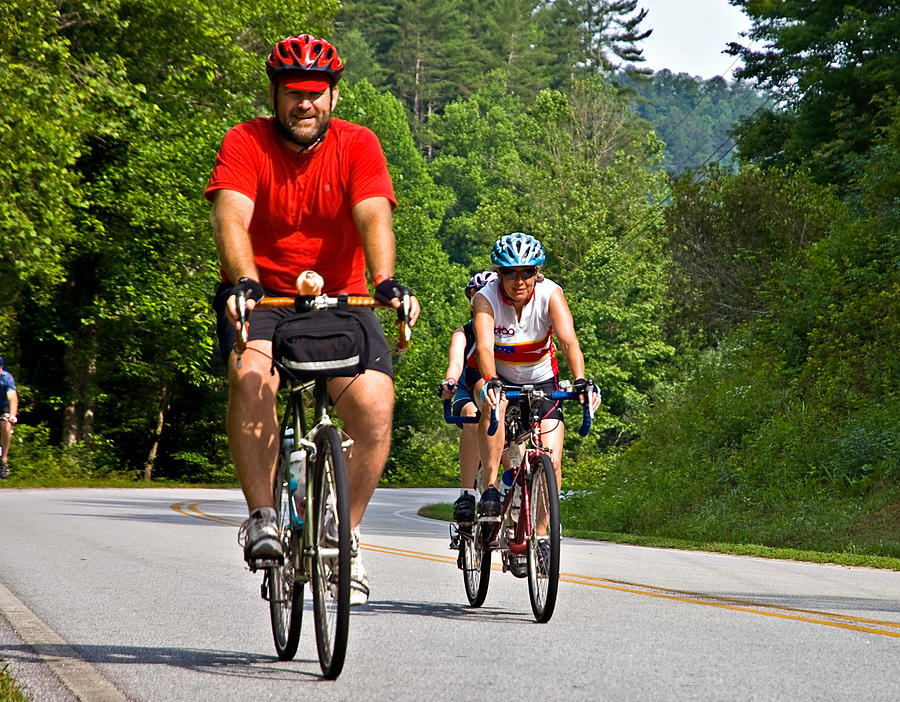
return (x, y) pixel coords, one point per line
(304, 54)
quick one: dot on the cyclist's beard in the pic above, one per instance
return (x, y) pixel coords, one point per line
(303, 138)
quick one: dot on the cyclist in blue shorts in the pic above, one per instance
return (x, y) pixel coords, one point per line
(461, 375)
(9, 406)
(515, 317)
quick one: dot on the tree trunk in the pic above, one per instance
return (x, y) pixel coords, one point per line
(160, 423)
(78, 415)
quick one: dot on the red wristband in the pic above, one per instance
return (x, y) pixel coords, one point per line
(491, 377)
(380, 279)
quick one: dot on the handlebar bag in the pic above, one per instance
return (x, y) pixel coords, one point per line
(324, 343)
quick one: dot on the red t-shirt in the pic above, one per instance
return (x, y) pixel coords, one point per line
(302, 215)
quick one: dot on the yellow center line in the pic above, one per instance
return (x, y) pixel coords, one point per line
(736, 601)
(810, 616)
(750, 607)
(191, 509)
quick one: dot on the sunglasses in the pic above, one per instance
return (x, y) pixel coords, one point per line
(513, 273)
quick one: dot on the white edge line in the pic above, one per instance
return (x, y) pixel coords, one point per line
(82, 678)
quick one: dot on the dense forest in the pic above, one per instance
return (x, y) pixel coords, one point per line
(729, 249)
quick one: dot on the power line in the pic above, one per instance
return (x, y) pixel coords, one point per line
(632, 232)
(703, 97)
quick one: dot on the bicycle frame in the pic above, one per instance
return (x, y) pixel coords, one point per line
(525, 552)
(518, 432)
(315, 530)
(305, 439)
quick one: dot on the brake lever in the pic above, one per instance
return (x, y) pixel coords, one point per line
(242, 319)
(404, 333)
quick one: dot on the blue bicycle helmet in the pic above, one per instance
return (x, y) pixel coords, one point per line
(517, 249)
(478, 281)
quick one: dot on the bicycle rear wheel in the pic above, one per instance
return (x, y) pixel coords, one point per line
(284, 591)
(476, 562)
(331, 552)
(543, 568)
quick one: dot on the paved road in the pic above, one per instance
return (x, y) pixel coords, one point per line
(142, 595)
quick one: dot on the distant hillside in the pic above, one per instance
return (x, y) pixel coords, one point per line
(693, 116)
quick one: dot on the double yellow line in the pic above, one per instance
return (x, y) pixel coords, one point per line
(810, 616)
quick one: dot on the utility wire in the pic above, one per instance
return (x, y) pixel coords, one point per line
(635, 229)
(706, 94)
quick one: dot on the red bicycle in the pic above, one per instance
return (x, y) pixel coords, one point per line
(527, 532)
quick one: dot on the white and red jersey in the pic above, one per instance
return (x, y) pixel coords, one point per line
(524, 351)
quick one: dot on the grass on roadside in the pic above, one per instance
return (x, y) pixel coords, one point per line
(9, 691)
(444, 512)
(30, 482)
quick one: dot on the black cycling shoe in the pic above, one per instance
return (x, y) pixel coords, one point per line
(464, 509)
(261, 541)
(490, 504)
(517, 565)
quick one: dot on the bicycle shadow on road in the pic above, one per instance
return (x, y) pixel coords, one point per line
(440, 610)
(228, 663)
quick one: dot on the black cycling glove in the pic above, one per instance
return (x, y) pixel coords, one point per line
(388, 289)
(492, 384)
(583, 387)
(252, 289)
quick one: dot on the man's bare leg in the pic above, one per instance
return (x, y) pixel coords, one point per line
(252, 422)
(365, 405)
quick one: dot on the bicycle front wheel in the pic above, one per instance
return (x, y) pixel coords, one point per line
(543, 541)
(284, 591)
(476, 563)
(331, 552)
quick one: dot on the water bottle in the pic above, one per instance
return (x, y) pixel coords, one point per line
(297, 481)
(505, 482)
(287, 442)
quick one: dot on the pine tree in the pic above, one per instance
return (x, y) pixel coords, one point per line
(588, 37)
(833, 66)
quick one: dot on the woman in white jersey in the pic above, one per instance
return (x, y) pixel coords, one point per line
(515, 317)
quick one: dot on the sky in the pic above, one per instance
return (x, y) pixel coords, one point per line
(690, 35)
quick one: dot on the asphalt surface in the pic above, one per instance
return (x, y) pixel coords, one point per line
(142, 595)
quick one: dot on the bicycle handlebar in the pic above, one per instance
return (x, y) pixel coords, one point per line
(450, 418)
(516, 395)
(587, 417)
(304, 303)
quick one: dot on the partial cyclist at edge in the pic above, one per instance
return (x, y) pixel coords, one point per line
(9, 408)
(460, 377)
(515, 317)
(299, 191)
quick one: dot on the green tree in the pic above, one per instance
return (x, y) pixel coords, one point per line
(421, 445)
(138, 94)
(576, 172)
(590, 37)
(513, 45)
(424, 45)
(829, 65)
(693, 116)
(729, 233)
(40, 140)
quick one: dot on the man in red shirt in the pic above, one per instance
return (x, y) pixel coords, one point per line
(302, 191)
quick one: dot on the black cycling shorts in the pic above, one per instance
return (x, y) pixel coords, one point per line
(263, 322)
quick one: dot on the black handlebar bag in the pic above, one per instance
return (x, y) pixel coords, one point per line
(325, 343)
